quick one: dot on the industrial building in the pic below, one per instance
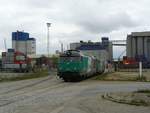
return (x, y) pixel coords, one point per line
(138, 45)
(23, 43)
(101, 50)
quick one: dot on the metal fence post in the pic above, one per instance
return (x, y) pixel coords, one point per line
(140, 69)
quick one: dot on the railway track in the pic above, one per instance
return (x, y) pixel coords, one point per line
(24, 97)
(18, 94)
(26, 86)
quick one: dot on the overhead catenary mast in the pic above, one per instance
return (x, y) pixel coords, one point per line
(5, 44)
(62, 48)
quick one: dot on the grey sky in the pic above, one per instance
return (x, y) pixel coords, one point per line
(72, 20)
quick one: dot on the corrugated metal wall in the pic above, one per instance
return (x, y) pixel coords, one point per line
(138, 45)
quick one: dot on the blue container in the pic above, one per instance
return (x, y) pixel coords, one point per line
(11, 50)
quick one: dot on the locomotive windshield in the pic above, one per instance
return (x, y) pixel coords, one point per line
(70, 53)
(20, 58)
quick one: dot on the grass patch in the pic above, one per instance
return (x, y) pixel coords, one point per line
(138, 103)
(120, 76)
(143, 78)
(115, 76)
(122, 100)
(144, 91)
(101, 77)
(26, 76)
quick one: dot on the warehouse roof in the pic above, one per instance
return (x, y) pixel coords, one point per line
(91, 47)
(146, 33)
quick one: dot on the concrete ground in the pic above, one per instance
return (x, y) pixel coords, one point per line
(52, 95)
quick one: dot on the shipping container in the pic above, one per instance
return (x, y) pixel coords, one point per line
(11, 50)
(14, 66)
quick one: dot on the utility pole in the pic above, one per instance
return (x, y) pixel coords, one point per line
(62, 48)
(48, 26)
(140, 70)
(68, 47)
(5, 44)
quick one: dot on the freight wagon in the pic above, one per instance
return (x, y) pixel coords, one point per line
(74, 66)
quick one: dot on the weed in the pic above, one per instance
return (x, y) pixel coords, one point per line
(143, 91)
(138, 102)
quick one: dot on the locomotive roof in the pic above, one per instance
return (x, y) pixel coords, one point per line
(71, 53)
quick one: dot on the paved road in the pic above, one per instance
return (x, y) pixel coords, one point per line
(51, 95)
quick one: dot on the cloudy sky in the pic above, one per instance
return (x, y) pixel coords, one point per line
(73, 20)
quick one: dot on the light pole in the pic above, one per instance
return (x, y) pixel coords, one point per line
(62, 48)
(48, 26)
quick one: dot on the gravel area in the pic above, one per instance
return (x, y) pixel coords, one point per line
(52, 95)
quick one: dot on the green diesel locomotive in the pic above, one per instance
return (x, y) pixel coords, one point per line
(74, 66)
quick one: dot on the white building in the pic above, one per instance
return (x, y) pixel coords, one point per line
(21, 42)
(101, 50)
